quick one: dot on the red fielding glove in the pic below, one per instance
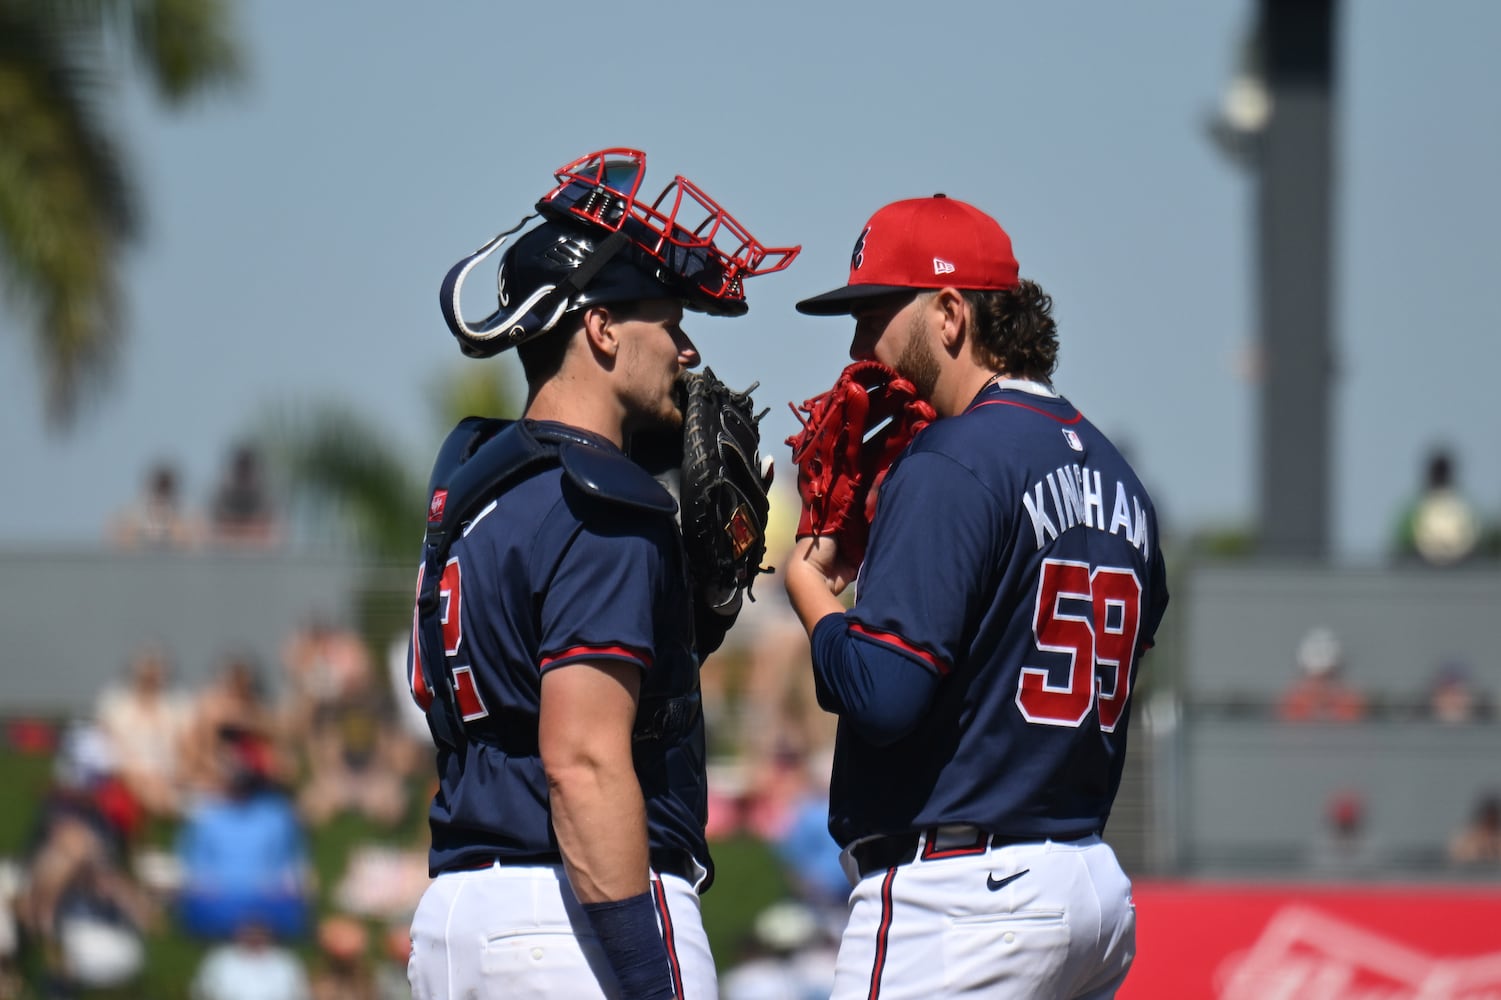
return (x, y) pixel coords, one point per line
(851, 435)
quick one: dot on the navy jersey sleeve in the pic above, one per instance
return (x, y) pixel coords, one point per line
(934, 549)
(599, 602)
(882, 692)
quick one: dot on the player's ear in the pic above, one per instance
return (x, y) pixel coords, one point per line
(600, 328)
(952, 313)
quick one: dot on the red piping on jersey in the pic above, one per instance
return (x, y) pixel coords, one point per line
(883, 934)
(892, 639)
(659, 892)
(610, 652)
(1006, 402)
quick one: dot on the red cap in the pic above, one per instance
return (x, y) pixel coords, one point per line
(937, 242)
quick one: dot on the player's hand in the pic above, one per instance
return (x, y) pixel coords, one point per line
(815, 577)
(820, 554)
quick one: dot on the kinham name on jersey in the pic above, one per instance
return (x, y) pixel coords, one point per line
(1074, 495)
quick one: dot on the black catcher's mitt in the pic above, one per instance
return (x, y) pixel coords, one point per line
(713, 468)
(724, 507)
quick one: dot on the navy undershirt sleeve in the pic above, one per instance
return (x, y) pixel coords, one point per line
(627, 931)
(878, 691)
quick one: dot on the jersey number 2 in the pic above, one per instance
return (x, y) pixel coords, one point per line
(450, 593)
(1093, 615)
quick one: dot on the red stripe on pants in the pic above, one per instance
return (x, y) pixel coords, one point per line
(660, 894)
(882, 933)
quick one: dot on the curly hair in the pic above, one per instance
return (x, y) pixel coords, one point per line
(1015, 331)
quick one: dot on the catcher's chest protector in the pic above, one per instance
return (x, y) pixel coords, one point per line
(480, 459)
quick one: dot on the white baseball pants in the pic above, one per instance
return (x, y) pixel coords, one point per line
(1036, 920)
(518, 932)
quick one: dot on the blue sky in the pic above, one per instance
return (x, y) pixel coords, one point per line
(298, 230)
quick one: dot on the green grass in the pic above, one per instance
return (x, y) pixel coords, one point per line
(26, 780)
(747, 878)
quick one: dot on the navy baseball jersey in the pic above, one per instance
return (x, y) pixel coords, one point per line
(1014, 557)
(543, 577)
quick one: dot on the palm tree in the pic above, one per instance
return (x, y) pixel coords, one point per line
(358, 488)
(67, 205)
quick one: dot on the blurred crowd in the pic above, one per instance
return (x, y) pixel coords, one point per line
(1322, 690)
(240, 512)
(1442, 525)
(191, 812)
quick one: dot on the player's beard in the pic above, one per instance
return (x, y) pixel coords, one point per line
(654, 410)
(917, 361)
(669, 415)
(652, 376)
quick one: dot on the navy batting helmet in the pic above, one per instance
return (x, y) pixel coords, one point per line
(598, 244)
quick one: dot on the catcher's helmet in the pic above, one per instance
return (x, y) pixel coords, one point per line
(597, 244)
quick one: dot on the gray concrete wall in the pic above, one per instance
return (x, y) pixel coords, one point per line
(1259, 792)
(1244, 623)
(1251, 793)
(69, 620)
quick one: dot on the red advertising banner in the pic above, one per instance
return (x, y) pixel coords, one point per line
(1289, 941)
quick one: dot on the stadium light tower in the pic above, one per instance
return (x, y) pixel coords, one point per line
(1277, 120)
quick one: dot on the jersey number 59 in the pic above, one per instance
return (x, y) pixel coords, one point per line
(1093, 615)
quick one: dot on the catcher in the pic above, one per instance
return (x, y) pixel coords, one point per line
(563, 607)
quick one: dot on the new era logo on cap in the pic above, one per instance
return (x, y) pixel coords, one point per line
(922, 243)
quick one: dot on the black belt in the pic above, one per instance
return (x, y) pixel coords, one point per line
(673, 862)
(889, 851)
(664, 861)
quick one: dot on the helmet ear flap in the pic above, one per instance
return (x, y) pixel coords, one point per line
(516, 323)
(501, 329)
